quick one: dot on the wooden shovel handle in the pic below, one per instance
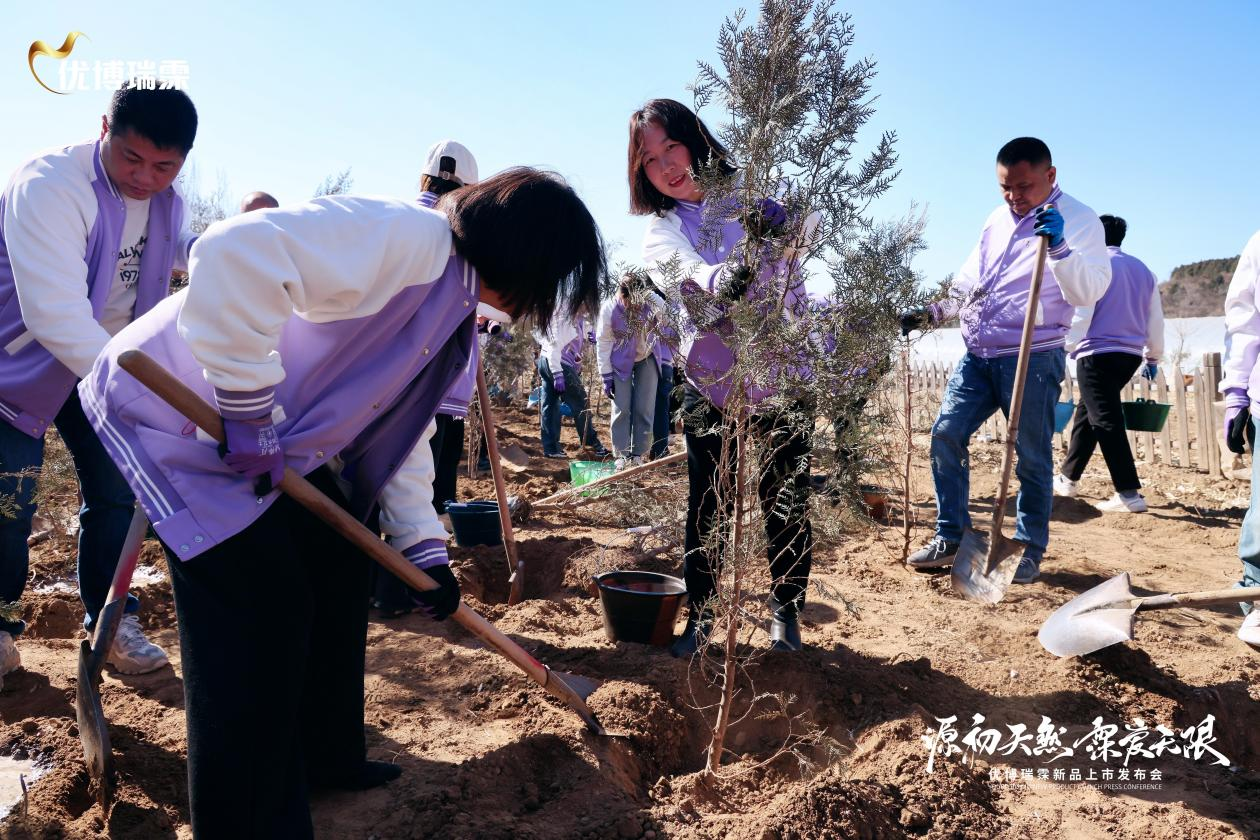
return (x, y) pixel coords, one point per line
(188, 403)
(500, 487)
(1017, 392)
(1200, 599)
(609, 479)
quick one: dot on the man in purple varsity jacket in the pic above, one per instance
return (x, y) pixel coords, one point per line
(88, 238)
(990, 297)
(1109, 342)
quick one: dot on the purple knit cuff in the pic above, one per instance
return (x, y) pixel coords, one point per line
(1059, 251)
(1236, 397)
(245, 405)
(427, 553)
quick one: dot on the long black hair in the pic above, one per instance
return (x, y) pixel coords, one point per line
(532, 240)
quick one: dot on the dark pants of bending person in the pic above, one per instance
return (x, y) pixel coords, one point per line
(783, 489)
(264, 719)
(1099, 418)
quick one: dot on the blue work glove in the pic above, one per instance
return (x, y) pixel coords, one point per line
(431, 558)
(1050, 223)
(1150, 371)
(557, 380)
(251, 446)
(610, 387)
(590, 336)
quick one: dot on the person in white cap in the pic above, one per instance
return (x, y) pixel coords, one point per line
(448, 165)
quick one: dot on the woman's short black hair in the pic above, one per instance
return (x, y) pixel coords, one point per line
(437, 186)
(532, 240)
(680, 123)
(164, 117)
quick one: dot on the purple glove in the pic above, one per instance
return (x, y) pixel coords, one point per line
(772, 212)
(557, 380)
(1150, 371)
(1237, 420)
(610, 387)
(431, 558)
(765, 218)
(590, 336)
(251, 446)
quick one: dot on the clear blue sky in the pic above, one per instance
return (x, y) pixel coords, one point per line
(1150, 108)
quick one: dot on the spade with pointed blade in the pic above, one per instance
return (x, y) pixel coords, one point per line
(1104, 615)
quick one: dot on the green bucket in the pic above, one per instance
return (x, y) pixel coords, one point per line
(1145, 415)
(584, 472)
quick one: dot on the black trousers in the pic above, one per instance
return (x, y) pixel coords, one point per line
(448, 448)
(272, 632)
(1099, 418)
(783, 489)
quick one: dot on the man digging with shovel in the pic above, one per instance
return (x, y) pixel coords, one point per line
(990, 296)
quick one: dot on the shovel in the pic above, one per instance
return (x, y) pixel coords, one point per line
(985, 566)
(93, 731)
(569, 689)
(516, 569)
(1103, 616)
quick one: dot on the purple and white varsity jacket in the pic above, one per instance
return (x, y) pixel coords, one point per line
(561, 343)
(351, 315)
(618, 344)
(61, 226)
(1128, 318)
(1241, 380)
(702, 266)
(990, 292)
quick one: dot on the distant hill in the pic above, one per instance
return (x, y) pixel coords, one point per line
(1197, 289)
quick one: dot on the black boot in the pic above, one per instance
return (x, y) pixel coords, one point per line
(693, 636)
(368, 775)
(785, 629)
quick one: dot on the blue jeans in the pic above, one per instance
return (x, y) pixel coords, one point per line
(633, 410)
(660, 421)
(575, 397)
(104, 518)
(978, 388)
(1249, 539)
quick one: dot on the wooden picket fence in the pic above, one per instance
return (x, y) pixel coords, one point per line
(1189, 439)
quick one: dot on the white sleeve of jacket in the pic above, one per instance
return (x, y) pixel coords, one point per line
(1242, 319)
(663, 241)
(1083, 274)
(1155, 326)
(331, 259)
(1081, 319)
(967, 278)
(559, 334)
(407, 512)
(604, 338)
(45, 232)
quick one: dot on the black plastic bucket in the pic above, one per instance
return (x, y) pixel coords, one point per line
(475, 523)
(640, 606)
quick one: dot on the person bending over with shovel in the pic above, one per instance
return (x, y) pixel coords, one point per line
(1240, 382)
(88, 238)
(666, 140)
(327, 333)
(990, 296)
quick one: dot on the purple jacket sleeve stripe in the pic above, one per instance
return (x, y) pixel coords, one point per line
(245, 405)
(427, 553)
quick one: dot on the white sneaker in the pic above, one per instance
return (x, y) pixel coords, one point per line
(1064, 486)
(1119, 504)
(1250, 630)
(132, 653)
(10, 659)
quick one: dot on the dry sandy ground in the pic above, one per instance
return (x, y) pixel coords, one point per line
(486, 754)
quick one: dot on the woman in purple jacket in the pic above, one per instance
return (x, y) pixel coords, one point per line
(328, 334)
(667, 141)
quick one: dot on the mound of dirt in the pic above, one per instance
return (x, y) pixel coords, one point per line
(483, 570)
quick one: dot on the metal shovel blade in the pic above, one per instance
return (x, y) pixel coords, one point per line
(93, 730)
(1091, 621)
(983, 572)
